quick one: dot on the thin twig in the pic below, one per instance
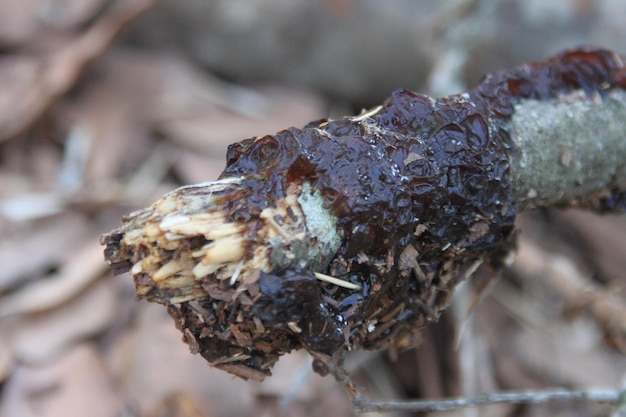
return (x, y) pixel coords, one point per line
(620, 407)
(599, 395)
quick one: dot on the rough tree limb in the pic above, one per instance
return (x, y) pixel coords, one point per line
(353, 233)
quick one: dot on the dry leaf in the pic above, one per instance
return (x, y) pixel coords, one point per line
(39, 81)
(39, 338)
(28, 252)
(75, 385)
(268, 111)
(151, 363)
(177, 404)
(6, 357)
(73, 277)
(561, 359)
(29, 20)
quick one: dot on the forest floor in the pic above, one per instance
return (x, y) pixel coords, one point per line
(107, 105)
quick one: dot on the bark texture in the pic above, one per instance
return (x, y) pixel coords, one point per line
(569, 150)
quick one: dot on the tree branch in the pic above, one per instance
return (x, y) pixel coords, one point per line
(601, 396)
(353, 233)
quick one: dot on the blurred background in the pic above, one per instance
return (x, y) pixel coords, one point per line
(107, 104)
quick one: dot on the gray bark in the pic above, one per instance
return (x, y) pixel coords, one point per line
(568, 150)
